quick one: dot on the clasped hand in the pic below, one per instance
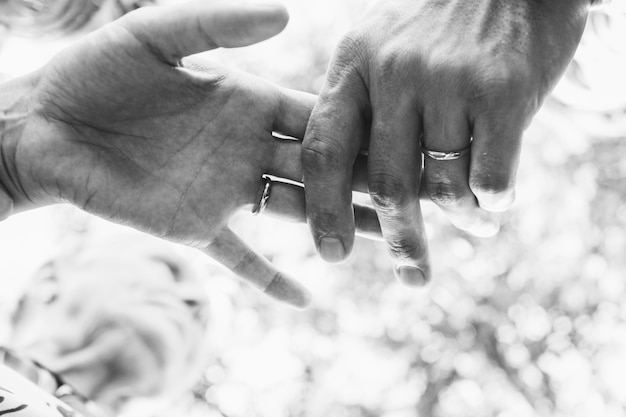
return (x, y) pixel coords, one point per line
(437, 75)
(124, 126)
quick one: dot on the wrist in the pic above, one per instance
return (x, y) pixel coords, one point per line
(15, 114)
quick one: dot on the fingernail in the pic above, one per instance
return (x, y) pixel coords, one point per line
(332, 249)
(497, 202)
(411, 276)
(289, 291)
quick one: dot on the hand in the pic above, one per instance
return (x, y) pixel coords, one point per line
(441, 73)
(119, 126)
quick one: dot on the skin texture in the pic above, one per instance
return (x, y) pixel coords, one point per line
(438, 73)
(121, 126)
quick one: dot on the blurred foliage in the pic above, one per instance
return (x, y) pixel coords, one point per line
(529, 323)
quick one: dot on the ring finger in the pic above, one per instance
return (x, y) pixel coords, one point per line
(286, 201)
(446, 177)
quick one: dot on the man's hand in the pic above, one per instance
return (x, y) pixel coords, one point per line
(436, 74)
(122, 126)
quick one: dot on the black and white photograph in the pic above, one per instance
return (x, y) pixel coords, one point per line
(329, 208)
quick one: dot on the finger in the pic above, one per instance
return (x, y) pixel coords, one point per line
(176, 31)
(494, 161)
(447, 181)
(329, 149)
(394, 180)
(294, 111)
(336, 130)
(229, 250)
(366, 223)
(287, 203)
(359, 175)
(287, 163)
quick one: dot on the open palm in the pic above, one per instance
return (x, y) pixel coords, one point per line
(172, 148)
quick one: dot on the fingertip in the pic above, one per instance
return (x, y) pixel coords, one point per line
(280, 11)
(176, 31)
(413, 276)
(496, 202)
(275, 16)
(233, 25)
(290, 292)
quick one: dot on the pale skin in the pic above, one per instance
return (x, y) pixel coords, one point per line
(121, 127)
(437, 74)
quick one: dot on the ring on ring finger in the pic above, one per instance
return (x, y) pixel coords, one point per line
(446, 156)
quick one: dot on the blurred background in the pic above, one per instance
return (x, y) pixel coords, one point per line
(531, 322)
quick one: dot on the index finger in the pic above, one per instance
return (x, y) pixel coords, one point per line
(229, 250)
(394, 169)
(331, 144)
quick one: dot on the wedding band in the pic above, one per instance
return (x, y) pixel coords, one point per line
(260, 207)
(446, 156)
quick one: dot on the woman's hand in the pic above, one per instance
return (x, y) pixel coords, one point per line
(122, 126)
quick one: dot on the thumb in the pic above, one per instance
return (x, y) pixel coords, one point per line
(177, 31)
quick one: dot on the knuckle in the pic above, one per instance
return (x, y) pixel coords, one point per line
(395, 64)
(352, 45)
(320, 155)
(244, 263)
(446, 194)
(507, 79)
(351, 54)
(404, 249)
(388, 193)
(389, 59)
(275, 285)
(508, 71)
